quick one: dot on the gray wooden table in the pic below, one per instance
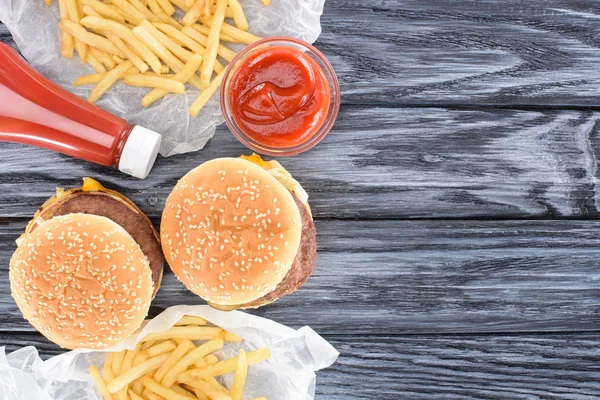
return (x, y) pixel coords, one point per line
(455, 199)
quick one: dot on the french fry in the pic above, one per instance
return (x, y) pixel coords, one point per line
(94, 63)
(223, 51)
(135, 59)
(169, 85)
(118, 360)
(206, 11)
(266, 2)
(75, 16)
(151, 395)
(188, 3)
(99, 382)
(148, 344)
(121, 394)
(205, 30)
(130, 356)
(216, 384)
(130, 10)
(201, 364)
(228, 12)
(139, 370)
(104, 10)
(195, 355)
(162, 16)
(230, 337)
(208, 390)
(133, 395)
(232, 31)
(140, 358)
(141, 7)
(223, 367)
(73, 10)
(199, 394)
(161, 348)
(238, 15)
(117, 59)
(87, 10)
(161, 51)
(109, 79)
(166, 6)
(103, 57)
(191, 320)
(67, 44)
(88, 80)
(172, 359)
(107, 367)
(182, 76)
(48, 2)
(181, 390)
(80, 6)
(163, 391)
(211, 359)
(129, 18)
(181, 38)
(239, 379)
(193, 13)
(127, 35)
(261, 397)
(186, 332)
(210, 55)
(205, 95)
(180, 4)
(181, 53)
(91, 39)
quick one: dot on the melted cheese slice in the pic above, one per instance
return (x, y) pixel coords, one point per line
(282, 175)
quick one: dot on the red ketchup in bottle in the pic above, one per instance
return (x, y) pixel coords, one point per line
(36, 111)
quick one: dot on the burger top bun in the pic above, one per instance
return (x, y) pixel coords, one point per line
(230, 231)
(82, 281)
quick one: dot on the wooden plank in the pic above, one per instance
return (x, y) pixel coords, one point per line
(538, 52)
(413, 277)
(380, 163)
(535, 52)
(448, 367)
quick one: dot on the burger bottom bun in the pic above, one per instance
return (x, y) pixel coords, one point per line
(121, 212)
(303, 264)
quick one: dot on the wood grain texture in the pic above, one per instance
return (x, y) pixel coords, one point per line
(534, 52)
(510, 52)
(380, 163)
(444, 367)
(408, 277)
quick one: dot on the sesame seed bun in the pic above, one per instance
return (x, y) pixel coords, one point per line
(81, 280)
(230, 231)
(93, 198)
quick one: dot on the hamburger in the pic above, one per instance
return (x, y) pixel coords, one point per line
(87, 267)
(239, 232)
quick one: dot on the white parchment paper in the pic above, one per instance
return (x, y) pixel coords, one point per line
(289, 374)
(34, 27)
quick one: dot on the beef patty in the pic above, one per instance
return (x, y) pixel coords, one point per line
(303, 264)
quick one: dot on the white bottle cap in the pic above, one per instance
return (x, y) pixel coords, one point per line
(139, 152)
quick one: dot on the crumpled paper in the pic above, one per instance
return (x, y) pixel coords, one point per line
(289, 374)
(34, 27)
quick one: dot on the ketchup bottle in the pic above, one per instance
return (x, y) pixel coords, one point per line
(35, 111)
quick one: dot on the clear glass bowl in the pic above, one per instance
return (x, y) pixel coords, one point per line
(328, 72)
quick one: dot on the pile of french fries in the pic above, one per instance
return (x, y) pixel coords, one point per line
(141, 42)
(169, 366)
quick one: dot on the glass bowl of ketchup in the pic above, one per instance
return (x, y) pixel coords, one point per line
(280, 96)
